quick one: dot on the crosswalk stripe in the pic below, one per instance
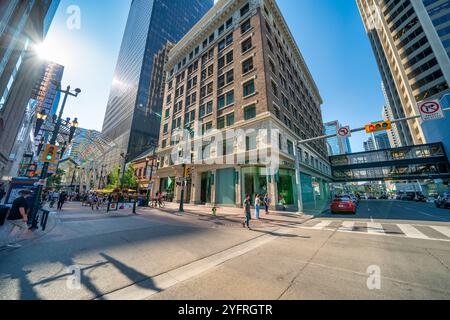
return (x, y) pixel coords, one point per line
(375, 228)
(444, 230)
(411, 232)
(321, 225)
(347, 226)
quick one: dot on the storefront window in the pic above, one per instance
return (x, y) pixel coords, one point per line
(167, 186)
(286, 189)
(254, 181)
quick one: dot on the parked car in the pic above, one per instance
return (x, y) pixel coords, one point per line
(383, 197)
(420, 197)
(343, 204)
(443, 201)
(354, 199)
(410, 196)
(372, 197)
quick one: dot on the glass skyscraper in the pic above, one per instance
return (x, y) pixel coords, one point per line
(336, 144)
(129, 120)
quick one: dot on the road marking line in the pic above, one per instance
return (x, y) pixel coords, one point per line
(375, 228)
(153, 285)
(347, 226)
(444, 230)
(411, 232)
(321, 225)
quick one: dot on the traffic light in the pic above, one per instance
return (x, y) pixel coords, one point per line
(50, 154)
(379, 126)
(187, 172)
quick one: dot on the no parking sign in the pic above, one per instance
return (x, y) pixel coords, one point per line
(431, 110)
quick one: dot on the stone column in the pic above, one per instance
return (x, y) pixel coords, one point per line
(238, 182)
(213, 187)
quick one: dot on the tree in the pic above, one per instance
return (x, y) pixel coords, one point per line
(54, 181)
(114, 178)
(129, 179)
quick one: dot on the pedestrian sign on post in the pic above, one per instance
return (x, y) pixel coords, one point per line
(344, 132)
(431, 110)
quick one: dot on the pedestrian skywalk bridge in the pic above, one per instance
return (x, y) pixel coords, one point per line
(415, 231)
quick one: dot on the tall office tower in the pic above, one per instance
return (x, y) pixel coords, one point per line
(130, 120)
(369, 145)
(337, 145)
(398, 129)
(393, 135)
(45, 93)
(23, 24)
(381, 140)
(411, 42)
(239, 69)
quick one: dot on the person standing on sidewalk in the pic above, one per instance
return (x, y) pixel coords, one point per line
(266, 201)
(248, 215)
(257, 206)
(18, 218)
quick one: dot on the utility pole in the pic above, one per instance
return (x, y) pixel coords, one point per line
(151, 174)
(182, 189)
(53, 140)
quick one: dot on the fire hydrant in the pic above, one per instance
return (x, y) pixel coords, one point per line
(214, 211)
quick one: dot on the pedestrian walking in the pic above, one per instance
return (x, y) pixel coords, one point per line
(61, 200)
(18, 218)
(257, 206)
(248, 216)
(266, 201)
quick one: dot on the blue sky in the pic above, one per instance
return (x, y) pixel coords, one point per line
(330, 35)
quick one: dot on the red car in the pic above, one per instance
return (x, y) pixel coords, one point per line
(343, 204)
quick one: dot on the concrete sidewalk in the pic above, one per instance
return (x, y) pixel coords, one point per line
(233, 214)
(30, 237)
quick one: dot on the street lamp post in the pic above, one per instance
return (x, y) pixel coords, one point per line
(44, 172)
(151, 174)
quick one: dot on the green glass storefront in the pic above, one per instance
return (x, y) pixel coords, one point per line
(286, 185)
(254, 181)
(226, 187)
(315, 192)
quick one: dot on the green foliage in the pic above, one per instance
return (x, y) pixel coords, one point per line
(129, 179)
(54, 181)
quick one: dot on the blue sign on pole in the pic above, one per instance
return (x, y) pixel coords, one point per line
(18, 184)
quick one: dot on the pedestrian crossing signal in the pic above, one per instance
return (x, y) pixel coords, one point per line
(379, 126)
(50, 154)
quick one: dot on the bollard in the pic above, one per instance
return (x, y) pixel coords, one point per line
(107, 208)
(44, 218)
(134, 207)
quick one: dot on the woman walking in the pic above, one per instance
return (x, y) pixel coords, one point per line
(248, 216)
(257, 206)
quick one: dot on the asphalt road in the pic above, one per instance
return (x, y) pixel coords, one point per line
(162, 256)
(391, 210)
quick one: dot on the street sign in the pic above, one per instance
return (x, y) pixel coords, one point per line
(431, 110)
(41, 182)
(344, 132)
